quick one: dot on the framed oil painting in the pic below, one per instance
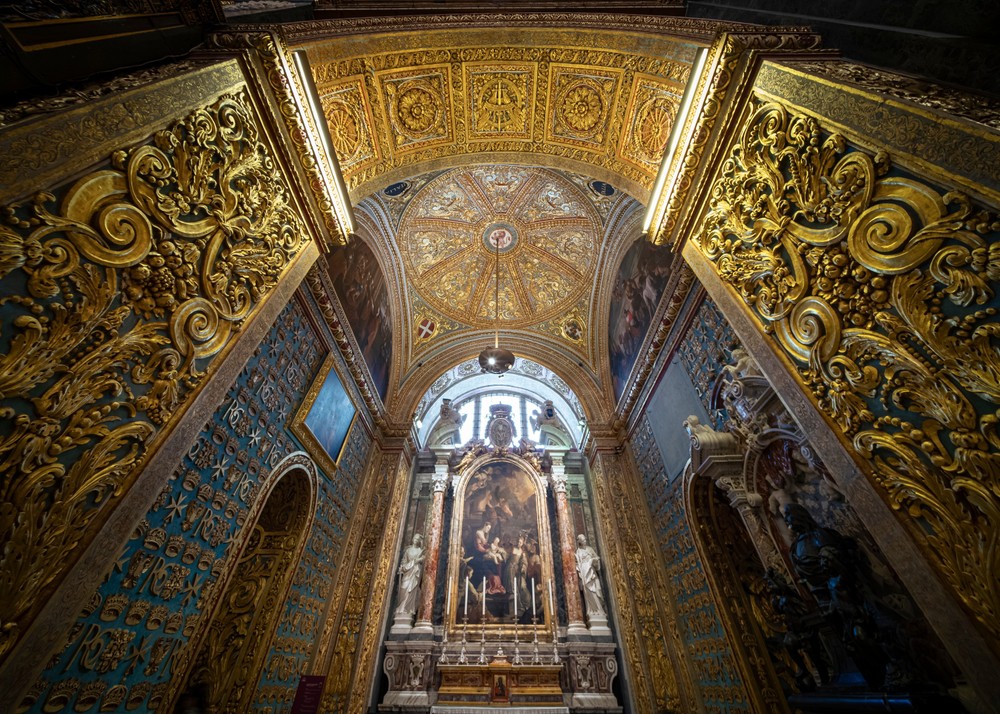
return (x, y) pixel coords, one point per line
(500, 547)
(361, 288)
(325, 418)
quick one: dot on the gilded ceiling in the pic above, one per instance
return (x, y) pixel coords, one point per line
(539, 226)
(541, 138)
(403, 103)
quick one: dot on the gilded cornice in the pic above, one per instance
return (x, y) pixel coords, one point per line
(730, 70)
(41, 151)
(962, 154)
(270, 62)
(979, 108)
(614, 23)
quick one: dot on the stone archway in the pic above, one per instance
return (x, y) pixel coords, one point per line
(231, 650)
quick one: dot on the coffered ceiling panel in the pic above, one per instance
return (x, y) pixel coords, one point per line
(404, 103)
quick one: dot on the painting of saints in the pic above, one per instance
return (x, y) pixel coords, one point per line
(499, 518)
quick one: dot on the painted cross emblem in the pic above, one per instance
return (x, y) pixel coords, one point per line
(426, 328)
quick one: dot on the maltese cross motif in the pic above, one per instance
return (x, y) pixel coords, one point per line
(426, 328)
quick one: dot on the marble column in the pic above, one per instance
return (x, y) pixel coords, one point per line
(567, 548)
(425, 614)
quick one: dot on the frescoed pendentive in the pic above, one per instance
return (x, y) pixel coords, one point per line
(642, 276)
(361, 287)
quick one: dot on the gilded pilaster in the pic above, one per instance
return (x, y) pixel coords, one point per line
(361, 617)
(658, 678)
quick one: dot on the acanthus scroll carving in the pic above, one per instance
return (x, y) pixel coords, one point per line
(119, 292)
(882, 289)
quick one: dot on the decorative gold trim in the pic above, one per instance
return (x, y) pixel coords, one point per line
(304, 433)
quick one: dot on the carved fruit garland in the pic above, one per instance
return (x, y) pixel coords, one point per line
(120, 291)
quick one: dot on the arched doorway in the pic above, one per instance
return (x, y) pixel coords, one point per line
(232, 648)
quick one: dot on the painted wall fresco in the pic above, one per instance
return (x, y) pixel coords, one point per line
(137, 627)
(360, 285)
(717, 678)
(635, 295)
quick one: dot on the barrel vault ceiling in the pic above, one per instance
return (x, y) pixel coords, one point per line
(546, 139)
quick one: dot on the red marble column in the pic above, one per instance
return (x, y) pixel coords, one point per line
(567, 548)
(433, 557)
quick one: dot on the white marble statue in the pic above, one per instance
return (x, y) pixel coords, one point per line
(588, 567)
(410, 571)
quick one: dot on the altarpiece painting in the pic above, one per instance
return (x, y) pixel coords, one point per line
(500, 546)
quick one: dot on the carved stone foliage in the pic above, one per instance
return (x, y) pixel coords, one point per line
(119, 291)
(882, 291)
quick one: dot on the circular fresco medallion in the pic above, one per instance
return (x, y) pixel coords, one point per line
(546, 227)
(500, 237)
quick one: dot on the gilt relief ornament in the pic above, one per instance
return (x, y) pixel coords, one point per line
(882, 290)
(122, 288)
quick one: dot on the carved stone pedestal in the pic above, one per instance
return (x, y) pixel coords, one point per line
(402, 623)
(592, 668)
(409, 668)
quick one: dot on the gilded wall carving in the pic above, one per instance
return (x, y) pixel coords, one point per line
(704, 353)
(232, 653)
(880, 289)
(121, 289)
(700, 627)
(165, 578)
(646, 633)
(269, 61)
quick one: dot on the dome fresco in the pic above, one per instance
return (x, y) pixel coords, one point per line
(547, 231)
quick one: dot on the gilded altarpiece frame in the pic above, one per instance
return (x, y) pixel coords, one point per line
(507, 493)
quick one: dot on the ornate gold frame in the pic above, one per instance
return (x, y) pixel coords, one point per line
(303, 433)
(452, 620)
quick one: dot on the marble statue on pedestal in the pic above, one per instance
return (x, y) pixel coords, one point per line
(410, 571)
(588, 567)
